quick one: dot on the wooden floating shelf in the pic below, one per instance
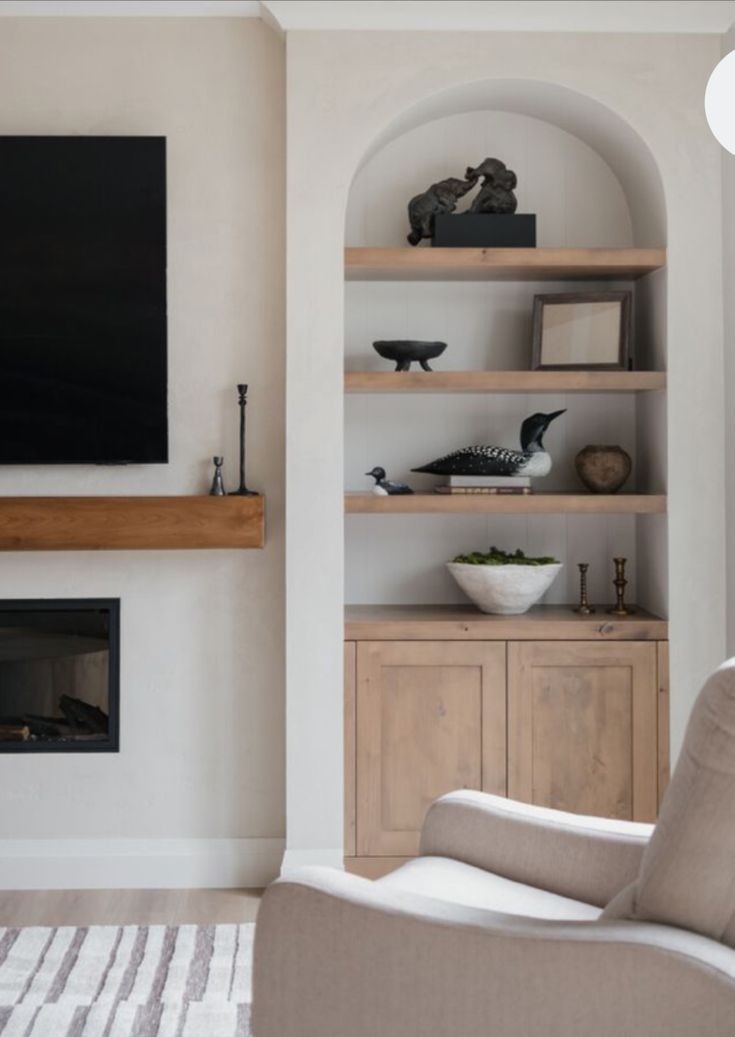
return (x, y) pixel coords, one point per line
(466, 623)
(503, 381)
(506, 504)
(501, 264)
(130, 523)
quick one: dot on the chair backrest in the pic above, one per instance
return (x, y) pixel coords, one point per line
(687, 873)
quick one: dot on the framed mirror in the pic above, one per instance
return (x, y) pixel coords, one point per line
(581, 331)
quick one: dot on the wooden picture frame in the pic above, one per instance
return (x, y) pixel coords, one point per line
(596, 338)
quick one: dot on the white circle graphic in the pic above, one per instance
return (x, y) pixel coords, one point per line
(719, 102)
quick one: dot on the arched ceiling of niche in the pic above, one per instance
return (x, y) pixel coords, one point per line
(624, 151)
(577, 198)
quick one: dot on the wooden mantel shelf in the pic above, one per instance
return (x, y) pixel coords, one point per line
(501, 264)
(130, 523)
(511, 504)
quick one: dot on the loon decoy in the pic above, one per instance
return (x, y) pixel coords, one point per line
(384, 487)
(531, 460)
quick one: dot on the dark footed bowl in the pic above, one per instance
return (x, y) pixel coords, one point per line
(406, 351)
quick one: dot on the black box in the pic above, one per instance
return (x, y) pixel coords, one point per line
(485, 230)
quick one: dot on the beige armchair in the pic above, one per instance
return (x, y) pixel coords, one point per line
(516, 921)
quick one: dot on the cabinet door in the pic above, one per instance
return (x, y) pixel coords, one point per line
(582, 727)
(430, 718)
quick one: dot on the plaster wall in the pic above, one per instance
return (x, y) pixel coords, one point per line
(196, 795)
(345, 90)
(728, 274)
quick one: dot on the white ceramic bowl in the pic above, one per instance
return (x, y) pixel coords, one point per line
(504, 590)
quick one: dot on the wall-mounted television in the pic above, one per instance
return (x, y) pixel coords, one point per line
(83, 358)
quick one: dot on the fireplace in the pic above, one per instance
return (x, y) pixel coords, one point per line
(59, 675)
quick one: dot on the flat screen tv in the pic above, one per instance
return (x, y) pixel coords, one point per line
(83, 365)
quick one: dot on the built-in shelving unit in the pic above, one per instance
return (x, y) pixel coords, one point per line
(130, 523)
(506, 504)
(503, 381)
(501, 264)
(408, 641)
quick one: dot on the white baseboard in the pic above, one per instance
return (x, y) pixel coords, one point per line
(293, 859)
(139, 863)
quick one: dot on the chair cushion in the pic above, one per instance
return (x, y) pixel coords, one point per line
(445, 879)
(687, 873)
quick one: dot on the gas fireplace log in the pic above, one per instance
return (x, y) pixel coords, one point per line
(14, 733)
(82, 716)
(28, 718)
(45, 727)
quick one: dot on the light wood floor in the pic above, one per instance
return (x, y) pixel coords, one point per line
(128, 906)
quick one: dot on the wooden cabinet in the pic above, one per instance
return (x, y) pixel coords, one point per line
(582, 727)
(576, 724)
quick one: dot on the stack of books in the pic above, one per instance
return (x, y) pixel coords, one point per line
(486, 484)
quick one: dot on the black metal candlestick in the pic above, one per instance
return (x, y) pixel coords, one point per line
(242, 490)
(584, 608)
(218, 486)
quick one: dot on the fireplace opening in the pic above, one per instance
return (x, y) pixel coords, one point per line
(59, 675)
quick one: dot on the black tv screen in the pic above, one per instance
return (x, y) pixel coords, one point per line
(83, 367)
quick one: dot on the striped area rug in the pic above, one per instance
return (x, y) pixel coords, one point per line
(127, 981)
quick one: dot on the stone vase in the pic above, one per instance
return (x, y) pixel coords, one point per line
(603, 469)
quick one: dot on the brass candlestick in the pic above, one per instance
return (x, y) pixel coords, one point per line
(620, 584)
(584, 608)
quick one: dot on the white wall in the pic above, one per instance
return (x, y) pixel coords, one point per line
(652, 549)
(578, 202)
(196, 793)
(345, 92)
(728, 251)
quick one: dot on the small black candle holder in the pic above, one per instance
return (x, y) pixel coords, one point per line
(584, 608)
(242, 490)
(218, 486)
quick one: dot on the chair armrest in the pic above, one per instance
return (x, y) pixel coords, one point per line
(336, 955)
(586, 858)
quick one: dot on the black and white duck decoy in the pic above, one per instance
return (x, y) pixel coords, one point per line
(385, 487)
(531, 460)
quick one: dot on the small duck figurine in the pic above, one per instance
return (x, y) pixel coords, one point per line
(531, 460)
(385, 487)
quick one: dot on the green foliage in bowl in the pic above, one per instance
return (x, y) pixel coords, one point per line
(497, 557)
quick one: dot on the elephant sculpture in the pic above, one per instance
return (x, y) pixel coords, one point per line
(440, 198)
(496, 191)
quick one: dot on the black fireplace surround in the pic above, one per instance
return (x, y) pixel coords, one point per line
(60, 675)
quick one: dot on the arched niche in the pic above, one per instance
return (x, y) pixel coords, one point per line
(577, 199)
(601, 129)
(580, 201)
